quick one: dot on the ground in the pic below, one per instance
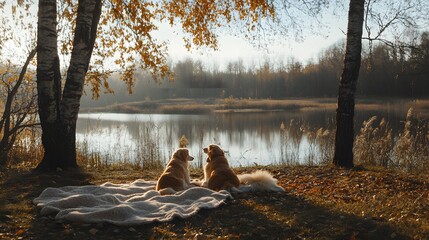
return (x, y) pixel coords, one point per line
(319, 203)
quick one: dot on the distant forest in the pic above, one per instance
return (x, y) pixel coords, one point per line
(400, 72)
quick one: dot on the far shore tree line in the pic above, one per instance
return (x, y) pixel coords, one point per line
(385, 72)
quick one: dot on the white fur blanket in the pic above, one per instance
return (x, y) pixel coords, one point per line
(125, 204)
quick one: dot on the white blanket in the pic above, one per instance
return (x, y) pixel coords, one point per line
(125, 204)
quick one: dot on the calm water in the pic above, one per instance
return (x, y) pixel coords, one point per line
(248, 138)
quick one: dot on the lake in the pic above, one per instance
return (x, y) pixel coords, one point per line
(256, 138)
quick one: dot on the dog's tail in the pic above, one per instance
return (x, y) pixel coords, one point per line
(260, 180)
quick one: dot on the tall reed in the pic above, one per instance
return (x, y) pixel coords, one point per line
(411, 150)
(373, 145)
(149, 154)
(325, 139)
(290, 139)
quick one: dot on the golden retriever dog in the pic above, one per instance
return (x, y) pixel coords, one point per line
(219, 176)
(176, 174)
(217, 173)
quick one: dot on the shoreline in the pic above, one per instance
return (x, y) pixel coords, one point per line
(234, 105)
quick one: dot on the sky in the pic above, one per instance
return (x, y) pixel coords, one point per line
(233, 48)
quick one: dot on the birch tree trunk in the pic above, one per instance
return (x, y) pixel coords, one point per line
(60, 114)
(88, 16)
(343, 156)
(48, 81)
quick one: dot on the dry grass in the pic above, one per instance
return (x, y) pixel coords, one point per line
(275, 104)
(186, 109)
(204, 106)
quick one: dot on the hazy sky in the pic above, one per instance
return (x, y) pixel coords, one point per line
(232, 48)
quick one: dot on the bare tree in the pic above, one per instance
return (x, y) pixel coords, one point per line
(19, 111)
(390, 21)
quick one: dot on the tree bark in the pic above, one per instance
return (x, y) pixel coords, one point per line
(343, 156)
(48, 82)
(88, 16)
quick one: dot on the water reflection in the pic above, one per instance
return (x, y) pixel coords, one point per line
(248, 138)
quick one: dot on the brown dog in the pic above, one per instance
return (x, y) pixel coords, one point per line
(217, 173)
(176, 175)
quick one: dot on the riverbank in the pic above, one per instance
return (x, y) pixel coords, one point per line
(205, 106)
(319, 203)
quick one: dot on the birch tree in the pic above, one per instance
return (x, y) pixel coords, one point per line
(344, 137)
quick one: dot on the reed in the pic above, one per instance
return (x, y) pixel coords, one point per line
(373, 145)
(326, 142)
(290, 139)
(149, 154)
(411, 149)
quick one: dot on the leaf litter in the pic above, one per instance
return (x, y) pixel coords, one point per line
(319, 203)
